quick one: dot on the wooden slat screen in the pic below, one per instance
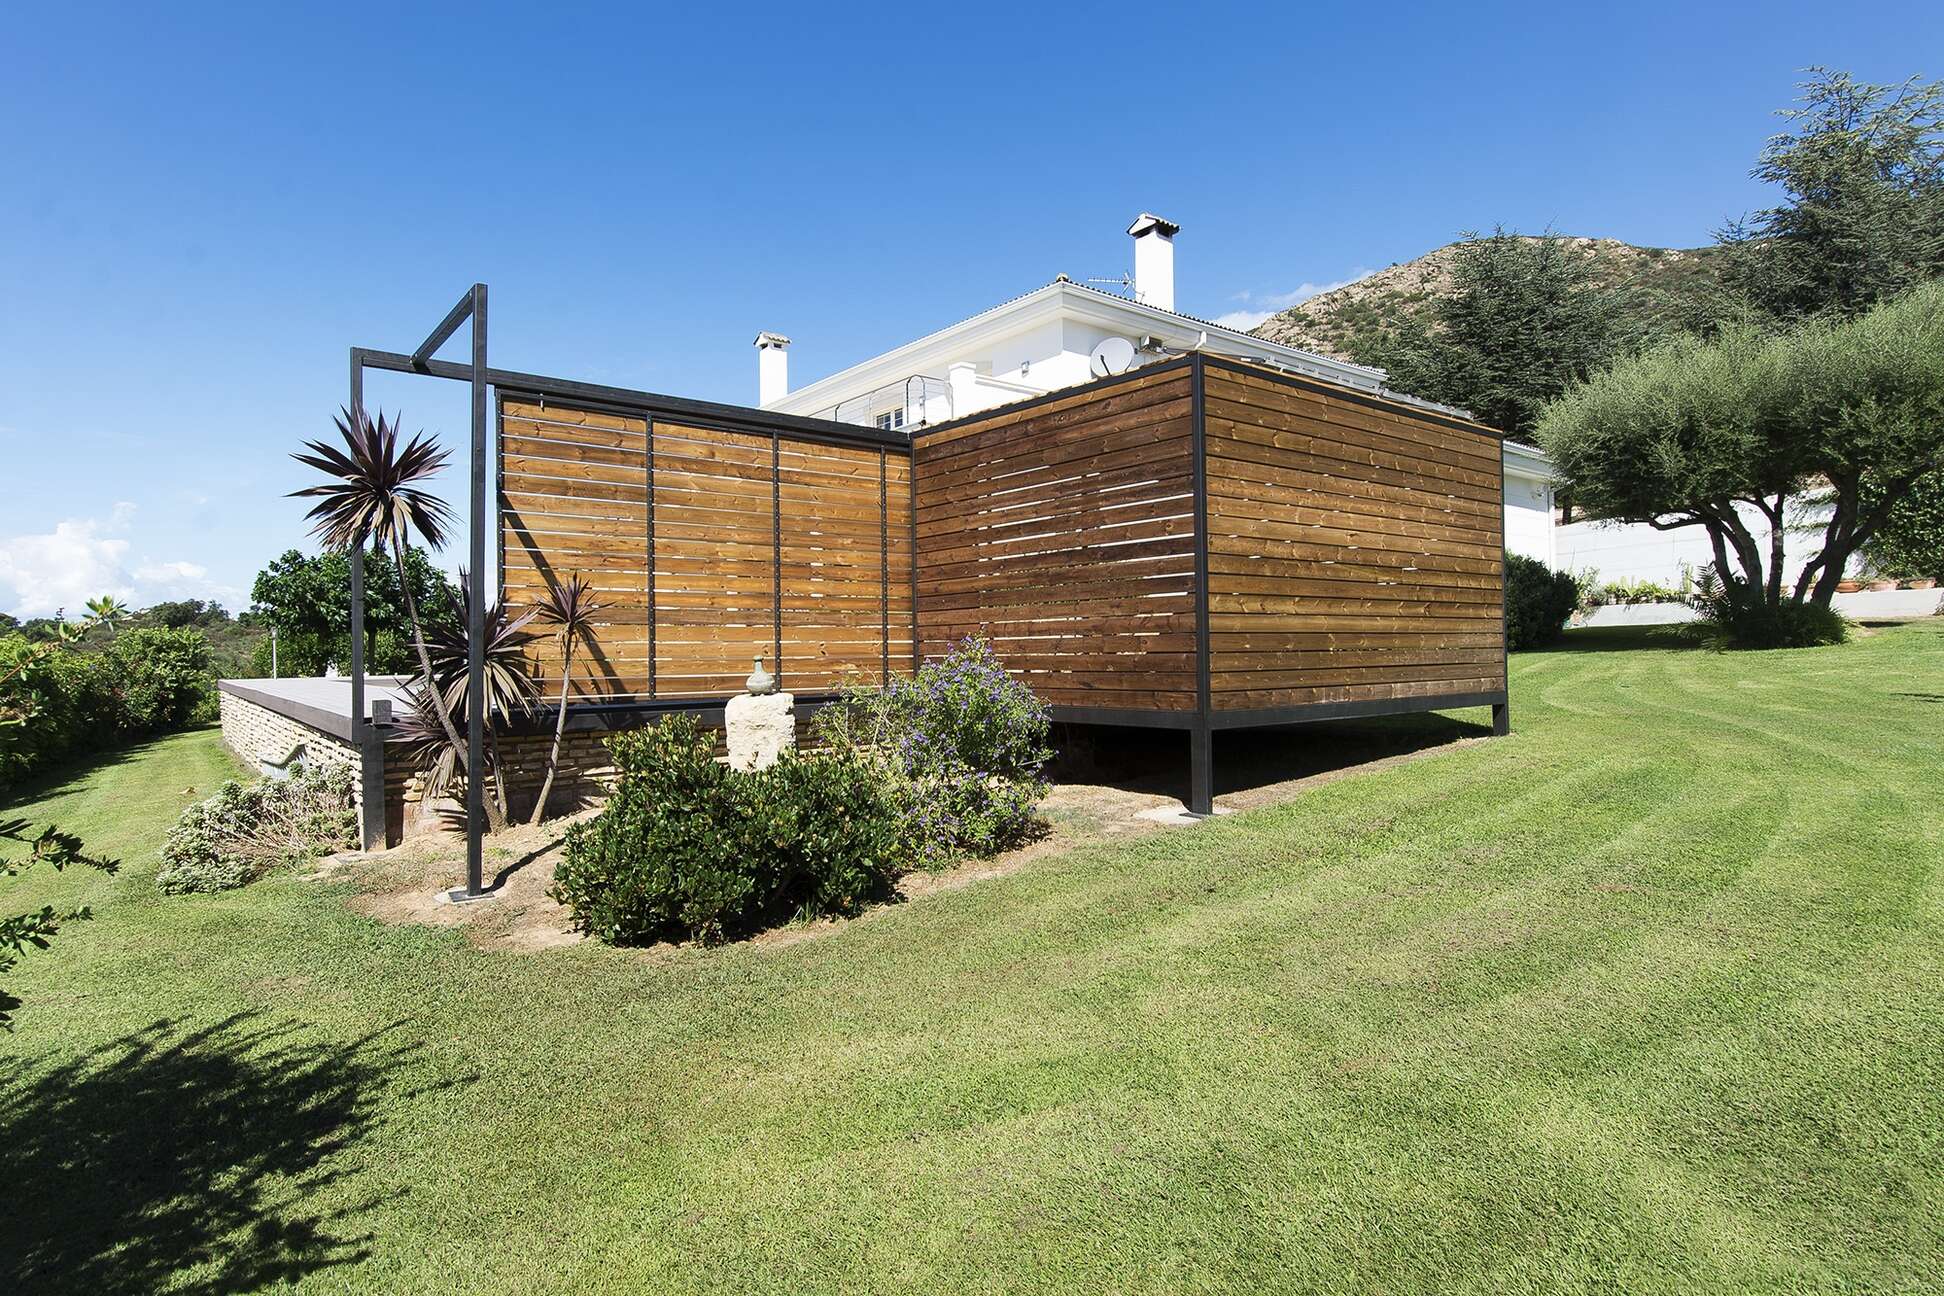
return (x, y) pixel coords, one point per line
(574, 500)
(1064, 532)
(1355, 551)
(741, 524)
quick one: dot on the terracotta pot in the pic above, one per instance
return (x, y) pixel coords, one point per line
(1878, 586)
(1922, 582)
(1848, 586)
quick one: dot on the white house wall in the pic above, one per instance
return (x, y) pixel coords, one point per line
(1529, 517)
(1632, 552)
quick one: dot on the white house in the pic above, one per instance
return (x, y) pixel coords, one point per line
(1067, 333)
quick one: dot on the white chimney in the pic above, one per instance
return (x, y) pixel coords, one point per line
(1154, 260)
(772, 368)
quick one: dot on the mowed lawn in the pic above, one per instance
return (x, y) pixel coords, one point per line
(1648, 996)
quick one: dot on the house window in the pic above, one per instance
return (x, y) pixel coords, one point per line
(891, 420)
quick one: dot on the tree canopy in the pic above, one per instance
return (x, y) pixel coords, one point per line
(1862, 172)
(1523, 322)
(308, 599)
(1686, 432)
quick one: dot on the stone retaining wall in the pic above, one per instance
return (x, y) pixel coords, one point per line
(260, 735)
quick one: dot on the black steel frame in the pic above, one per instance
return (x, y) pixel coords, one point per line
(512, 383)
(370, 742)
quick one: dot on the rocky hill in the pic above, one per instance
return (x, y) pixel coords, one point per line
(1661, 286)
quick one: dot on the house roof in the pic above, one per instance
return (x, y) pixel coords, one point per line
(1049, 299)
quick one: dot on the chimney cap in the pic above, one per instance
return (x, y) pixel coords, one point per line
(768, 339)
(1148, 222)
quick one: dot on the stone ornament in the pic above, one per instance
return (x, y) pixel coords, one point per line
(760, 681)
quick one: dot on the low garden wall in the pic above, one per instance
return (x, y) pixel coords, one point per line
(266, 740)
(270, 733)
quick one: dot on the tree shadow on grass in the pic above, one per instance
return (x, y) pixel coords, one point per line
(187, 1158)
(78, 772)
(1646, 638)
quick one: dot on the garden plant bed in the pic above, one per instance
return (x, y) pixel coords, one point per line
(408, 883)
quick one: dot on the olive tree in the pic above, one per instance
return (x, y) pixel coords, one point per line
(1850, 412)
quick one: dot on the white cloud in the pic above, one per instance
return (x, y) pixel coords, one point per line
(1260, 306)
(82, 558)
(1242, 321)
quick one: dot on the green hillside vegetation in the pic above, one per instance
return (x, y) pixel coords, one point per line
(1660, 290)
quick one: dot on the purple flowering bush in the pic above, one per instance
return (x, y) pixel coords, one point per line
(966, 743)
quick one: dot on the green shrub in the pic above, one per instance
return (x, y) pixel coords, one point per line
(1538, 601)
(70, 697)
(965, 744)
(1731, 619)
(687, 849)
(162, 679)
(247, 829)
(1910, 544)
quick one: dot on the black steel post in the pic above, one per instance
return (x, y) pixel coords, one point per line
(476, 614)
(776, 551)
(911, 543)
(367, 740)
(356, 412)
(1502, 711)
(1201, 771)
(884, 571)
(1201, 760)
(648, 431)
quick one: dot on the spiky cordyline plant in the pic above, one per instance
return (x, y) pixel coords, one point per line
(373, 497)
(510, 689)
(423, 728)
(569, 609)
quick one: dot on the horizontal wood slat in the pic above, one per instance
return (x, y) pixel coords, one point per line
(744, 526)
(1064, 533)
(1355, 552)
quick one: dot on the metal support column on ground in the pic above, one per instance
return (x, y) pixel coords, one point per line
(371, 790)
(1201, 771)
(1501, 719)
(1201, 756)
(476, 613)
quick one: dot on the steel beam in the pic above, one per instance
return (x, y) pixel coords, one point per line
(678, 409)
(447, 327)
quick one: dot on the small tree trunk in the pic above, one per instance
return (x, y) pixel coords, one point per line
(560, 727)
(1777, 550)
(459, 753)
(495, 805)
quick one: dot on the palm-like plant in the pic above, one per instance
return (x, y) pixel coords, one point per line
(107, 611)
(374, 497)
(569, 609)
(510, 689)
(423, 727)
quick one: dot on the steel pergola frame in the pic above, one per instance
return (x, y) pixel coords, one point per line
(368, 739)
(488, 384)
(1201, 723)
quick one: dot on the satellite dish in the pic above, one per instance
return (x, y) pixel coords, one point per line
(1114, 355)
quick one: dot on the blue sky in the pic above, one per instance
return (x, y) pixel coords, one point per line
(204, 208)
